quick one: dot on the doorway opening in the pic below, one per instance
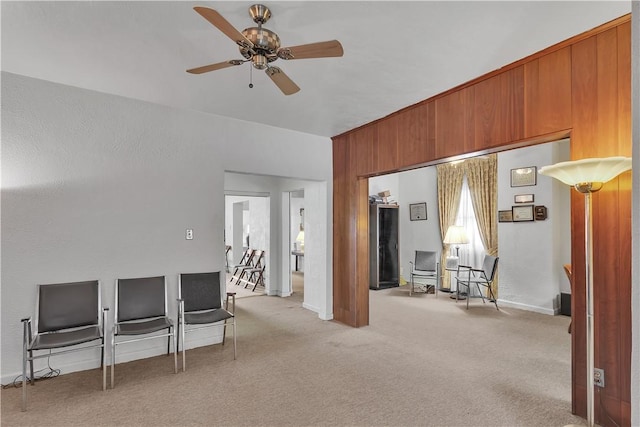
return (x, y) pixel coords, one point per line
(296, 243)
(247, 237)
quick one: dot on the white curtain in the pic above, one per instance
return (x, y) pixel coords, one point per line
(473, 252)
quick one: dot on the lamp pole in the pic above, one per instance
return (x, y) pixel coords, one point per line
(587, 177)
(588, 189)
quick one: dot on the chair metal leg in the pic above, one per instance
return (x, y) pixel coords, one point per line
(178, 338)
(113, 358)
(104, 364)
(32, 377)
(468, 295)
(175, 352)
(495, 301)
(224, 331)
(184, 350)
(24, 370)
(234, 338)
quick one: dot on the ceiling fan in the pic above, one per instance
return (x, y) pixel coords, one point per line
(261, 46)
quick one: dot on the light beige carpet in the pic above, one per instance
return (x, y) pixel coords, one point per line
(422, 362)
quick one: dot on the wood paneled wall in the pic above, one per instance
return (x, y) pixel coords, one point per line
(580, 87)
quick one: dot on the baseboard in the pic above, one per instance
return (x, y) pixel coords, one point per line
(123, 356)
(310, 307)
(82, 365)
(527, 307)
(284, 294)
(325, 316)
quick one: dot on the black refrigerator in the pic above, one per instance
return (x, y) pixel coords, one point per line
(383, 246)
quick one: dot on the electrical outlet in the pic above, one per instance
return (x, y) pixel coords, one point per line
(598, 377)
(189, 234)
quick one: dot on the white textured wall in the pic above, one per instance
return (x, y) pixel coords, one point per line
(317, 250)
(532, 253)
(417, 186)
(100, 186)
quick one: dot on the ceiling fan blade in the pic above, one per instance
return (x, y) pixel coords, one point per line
(223, 25)
(214, 67)
(312, 50)
(284, 83)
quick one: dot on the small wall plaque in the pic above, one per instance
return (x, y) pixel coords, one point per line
(505, 216)
(418, 211)
(540, 213)
(523, 198)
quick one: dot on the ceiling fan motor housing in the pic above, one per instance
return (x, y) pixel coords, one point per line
(266, 44)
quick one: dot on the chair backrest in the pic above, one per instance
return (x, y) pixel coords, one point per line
(426, 261)
(141, 298)
(68, 305)
(200, 291)
(258, 259)
(248, 257)
(489, 265)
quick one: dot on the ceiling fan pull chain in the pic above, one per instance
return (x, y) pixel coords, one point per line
(250, 77)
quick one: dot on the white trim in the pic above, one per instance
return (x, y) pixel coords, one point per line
(527, 307)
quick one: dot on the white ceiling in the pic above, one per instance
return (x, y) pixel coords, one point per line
(396, 53)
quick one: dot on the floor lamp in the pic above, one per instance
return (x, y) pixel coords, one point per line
(587, 177)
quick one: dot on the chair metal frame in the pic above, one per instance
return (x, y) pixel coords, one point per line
(171, 334)
(29, 340)
(425, 274)
(254, 275)
(246, 262)
(182, 325)
(478, 277)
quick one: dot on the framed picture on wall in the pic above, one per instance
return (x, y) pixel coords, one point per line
(523, 198)
(418, 211)
(524, 177)
(522, 213)
(505, 216)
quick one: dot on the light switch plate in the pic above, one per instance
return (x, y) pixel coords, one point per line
(189, 234)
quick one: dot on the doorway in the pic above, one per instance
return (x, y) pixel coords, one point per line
(247, 237)
(296, 243)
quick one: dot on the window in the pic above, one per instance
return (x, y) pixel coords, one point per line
(473, 252)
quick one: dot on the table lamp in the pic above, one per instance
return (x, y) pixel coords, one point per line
(300, 240)
(456, 235)
(587, 177)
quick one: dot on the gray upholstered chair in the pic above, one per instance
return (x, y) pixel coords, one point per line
(67, 315)
(200, 305)
(468, 276)
(425, 267)
(140, 313)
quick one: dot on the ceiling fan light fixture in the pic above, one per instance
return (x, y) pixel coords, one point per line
(259, 62)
